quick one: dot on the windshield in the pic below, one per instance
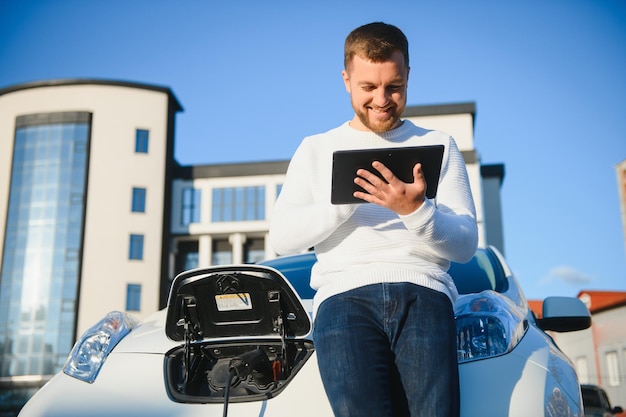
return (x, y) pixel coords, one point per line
(482, 272)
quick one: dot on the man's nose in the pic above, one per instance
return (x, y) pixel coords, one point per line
(381, 98)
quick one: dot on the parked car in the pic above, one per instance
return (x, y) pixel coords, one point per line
(236, 340)
(596, 403)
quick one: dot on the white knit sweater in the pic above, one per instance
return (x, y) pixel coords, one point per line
(362, 244)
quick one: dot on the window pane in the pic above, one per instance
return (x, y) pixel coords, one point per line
(250, 203)
(133, 297)
(228, 203)
(191, 205)
(191, 260)
(222, 253)
(186, 255)
(139, 200)
(254, 250)
(582, 370)
(216, 205)
(259, 203)
(136, 247)
(612, 366)
(141, 141)
(238, 204)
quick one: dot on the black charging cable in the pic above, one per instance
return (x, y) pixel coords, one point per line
(231, 376)
(239, 369)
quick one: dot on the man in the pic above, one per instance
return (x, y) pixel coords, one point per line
(384, 328)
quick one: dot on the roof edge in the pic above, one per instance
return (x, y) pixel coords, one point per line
(92, 81)
(237, 169)
(493, 171)
(440, 109)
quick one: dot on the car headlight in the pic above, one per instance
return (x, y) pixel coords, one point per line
(93, 347)
(487, 325)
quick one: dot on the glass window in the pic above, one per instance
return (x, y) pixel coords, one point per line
(238, 204)
(138, 200)
(186, 255)
(191, 260)
(481, 273)
(222, 252)
(136, 247)
(191, 206)
(254, 250)
(582, 369)
(612, 366)
(42, 241)
(133, 297)
(142, 137)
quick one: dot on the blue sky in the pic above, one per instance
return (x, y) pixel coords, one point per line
(254, 77)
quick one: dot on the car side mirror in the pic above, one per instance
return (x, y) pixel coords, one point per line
(564, 314)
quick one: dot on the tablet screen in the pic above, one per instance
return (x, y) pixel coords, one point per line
(399, 160)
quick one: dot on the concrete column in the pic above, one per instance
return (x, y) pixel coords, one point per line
(269, 251)
(205, 249)
(237, 241)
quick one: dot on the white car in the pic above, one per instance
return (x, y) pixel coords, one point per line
(236, 341)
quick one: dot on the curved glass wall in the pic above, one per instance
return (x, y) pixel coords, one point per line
(43, 238)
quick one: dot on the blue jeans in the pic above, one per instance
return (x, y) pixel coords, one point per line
(388, 350)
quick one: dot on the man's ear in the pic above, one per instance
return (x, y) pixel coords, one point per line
(346, 80)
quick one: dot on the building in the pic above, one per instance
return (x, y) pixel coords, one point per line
(96, 214)
(85, 176)
(620, 170)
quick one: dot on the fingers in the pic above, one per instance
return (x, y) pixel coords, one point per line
(374, 179)
(384, 171)
(390, 191)
(371, 182)
(417, 171)
(388, 176)
(376, 189)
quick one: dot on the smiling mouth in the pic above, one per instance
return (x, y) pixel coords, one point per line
(381, 111)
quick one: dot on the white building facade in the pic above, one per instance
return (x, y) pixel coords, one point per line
(85, 191)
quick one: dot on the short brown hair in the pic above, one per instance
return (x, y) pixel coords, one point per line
(376, 42)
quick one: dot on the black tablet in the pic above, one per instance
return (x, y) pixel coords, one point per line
(399, 160)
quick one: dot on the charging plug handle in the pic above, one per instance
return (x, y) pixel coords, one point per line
(244, 364)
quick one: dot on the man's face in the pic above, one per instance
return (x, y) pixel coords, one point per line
(377, 92)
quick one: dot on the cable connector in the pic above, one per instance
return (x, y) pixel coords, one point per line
(244, 364)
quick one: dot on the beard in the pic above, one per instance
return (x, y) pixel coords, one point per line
(378, 125)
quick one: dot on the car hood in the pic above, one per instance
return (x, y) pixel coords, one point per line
(234, 301)
(147, 337)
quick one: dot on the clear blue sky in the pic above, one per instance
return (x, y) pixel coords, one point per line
(548, 78)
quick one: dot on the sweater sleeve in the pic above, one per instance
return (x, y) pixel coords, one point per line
(448, 223)
(303, 215)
